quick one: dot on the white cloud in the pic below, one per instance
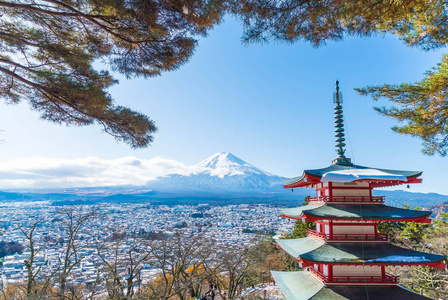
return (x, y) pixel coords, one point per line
(41, 172)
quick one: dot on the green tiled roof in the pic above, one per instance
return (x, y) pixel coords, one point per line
(301, 285)
(297, 285)
(364, 212)
(363, 293)
(333, 168)
(297, 247)
(354, 253)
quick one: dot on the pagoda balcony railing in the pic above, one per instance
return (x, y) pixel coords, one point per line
(386, 279)
(343, 199)
(316, 274)
(377, 237)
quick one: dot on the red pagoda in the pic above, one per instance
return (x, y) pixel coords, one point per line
(345, 257)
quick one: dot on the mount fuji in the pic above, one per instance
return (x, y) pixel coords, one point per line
(222, 172)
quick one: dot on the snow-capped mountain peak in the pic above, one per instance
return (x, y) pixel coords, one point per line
(221, 172)
(225, 164)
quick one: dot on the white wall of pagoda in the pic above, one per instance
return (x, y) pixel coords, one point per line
(353, 229)
(357, 270)
(350, 192)
(326, 227)
(341, 189)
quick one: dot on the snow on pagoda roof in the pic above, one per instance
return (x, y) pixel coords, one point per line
(360, 174)
(354, 212)
(355, 253)
(301, 285)
(348, 173)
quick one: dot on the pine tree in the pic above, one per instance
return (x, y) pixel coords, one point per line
(418, 23)
(422, 106)
(300, 227)
(48, 49)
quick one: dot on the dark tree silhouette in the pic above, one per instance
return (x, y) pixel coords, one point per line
(48, 48)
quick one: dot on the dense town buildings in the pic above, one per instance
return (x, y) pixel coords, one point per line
(231, 225)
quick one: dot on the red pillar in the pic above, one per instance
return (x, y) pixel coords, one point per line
(330, 190)
(330, 224)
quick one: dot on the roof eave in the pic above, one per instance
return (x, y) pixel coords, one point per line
(433, 263)
(304, 181)
(310, 177)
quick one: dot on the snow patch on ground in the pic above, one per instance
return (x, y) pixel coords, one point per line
(272, 293)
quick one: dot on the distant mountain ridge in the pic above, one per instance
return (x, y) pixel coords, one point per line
(222, 172)
(398, 198)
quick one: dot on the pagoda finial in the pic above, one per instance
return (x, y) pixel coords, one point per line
(339, 129)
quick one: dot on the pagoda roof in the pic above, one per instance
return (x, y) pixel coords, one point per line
(350, 173)
(300, 285)
(369, 292)
(351, 211)
(313, 250)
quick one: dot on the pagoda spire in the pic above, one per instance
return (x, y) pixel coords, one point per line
(339, 129)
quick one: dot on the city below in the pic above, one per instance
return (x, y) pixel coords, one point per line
(224, 226)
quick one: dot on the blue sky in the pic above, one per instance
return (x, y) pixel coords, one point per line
(271, 105)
